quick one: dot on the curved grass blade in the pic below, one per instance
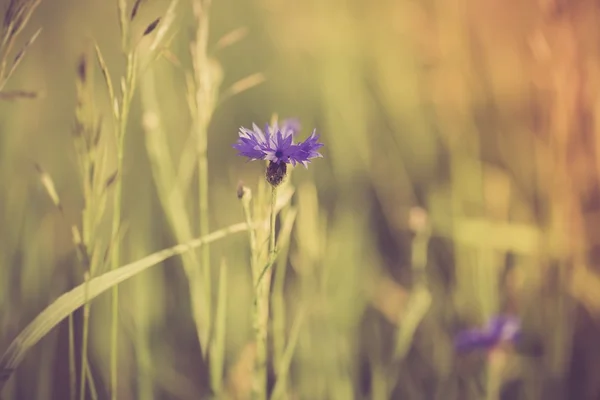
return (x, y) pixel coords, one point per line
(72, 300)
(19, 57)
(286, 359)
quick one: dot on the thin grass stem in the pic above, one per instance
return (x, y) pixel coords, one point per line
(127, 95)
(283, 367)
(261, 310)
(72, 373)
(84, 341)
(246, 203)
(90, 378)
(202, 116)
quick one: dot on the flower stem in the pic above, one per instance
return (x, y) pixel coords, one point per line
(261, 311)
(272, 227)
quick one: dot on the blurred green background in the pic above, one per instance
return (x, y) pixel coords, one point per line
(482, 113)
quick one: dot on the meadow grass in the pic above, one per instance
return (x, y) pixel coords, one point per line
(459, 181)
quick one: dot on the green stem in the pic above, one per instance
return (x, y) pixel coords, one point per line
(278, 303)
(261, 312)
(72, 373)
(90, 378)
(251, 237)
(272, 233)
(115, 257)
(84, 345)
(202, 118)
(116, 223)
(204, 215)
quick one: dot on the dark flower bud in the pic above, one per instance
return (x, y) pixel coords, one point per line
(244, 193)
(240, 190)
(276, 172)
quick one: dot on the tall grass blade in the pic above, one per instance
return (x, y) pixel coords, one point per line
(107, 80)
(286, 360)
(218, 341)
(72, 300)
(19, 57)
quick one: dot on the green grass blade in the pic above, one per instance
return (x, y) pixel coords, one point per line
(72, 300)
(107, 80)
(286, 359)
(19, 57)
(217, 356)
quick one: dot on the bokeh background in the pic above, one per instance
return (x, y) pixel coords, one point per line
(477, 120)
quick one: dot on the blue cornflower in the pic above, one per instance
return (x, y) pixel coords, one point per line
(276, 145)
(498, 330)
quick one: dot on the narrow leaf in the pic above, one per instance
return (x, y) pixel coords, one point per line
(72, 300)
(218, 344)
(231, 38)
(284, 367)
(107, 78)
(242, 85)
(20, 55)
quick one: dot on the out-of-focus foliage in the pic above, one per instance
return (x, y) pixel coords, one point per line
(483, 113)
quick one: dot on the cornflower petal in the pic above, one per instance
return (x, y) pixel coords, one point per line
(276, 144)
(499, 329)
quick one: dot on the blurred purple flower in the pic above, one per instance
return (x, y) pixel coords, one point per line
(498, 330)
(292, 124)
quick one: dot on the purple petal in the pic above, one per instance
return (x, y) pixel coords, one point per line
(498, 329)
(474, 339)
(287, 142)
(277, 145)
(291, 124)
(263, 136)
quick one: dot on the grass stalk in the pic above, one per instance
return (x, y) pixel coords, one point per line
(84, 344)
(245, 196)
(261, 311)
(66, 304)
(72, 373)
(128, 88)
(202, 115)
(90, 378)
(217, 349)
(85, 260)
(283, 367)
(280, 336)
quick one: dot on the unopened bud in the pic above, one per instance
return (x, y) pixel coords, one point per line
(243, 193)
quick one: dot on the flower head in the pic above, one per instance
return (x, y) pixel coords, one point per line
(498, 330)
(276, 145)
